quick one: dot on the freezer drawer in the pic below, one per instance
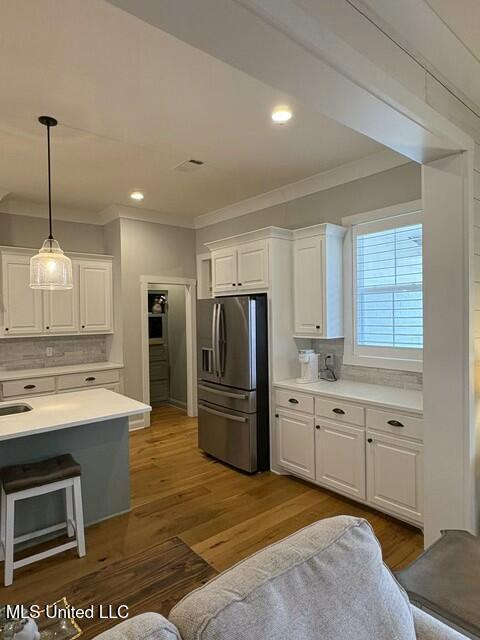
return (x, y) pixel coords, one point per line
(228, 397)
(230, 436)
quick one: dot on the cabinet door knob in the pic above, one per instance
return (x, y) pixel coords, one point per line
(317, 426)
(317, 326)
(234, 284)
(90, 379)
(338, 411)
(293, 400)
(6, 328)
(369, 440)
(395, 423)
(47, 327)
(30, 386)
(83, 326)
(276, 415)
(239, 284)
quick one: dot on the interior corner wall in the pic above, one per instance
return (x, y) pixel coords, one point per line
(147, 249)
(394, 186)
(29, 231)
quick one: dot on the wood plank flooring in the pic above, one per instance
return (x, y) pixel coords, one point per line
(220, 514)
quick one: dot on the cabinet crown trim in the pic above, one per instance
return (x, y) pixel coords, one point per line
(325, 229)
(250, 236)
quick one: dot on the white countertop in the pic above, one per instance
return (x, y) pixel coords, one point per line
(20, 374)
(66, 410)
(369, 394)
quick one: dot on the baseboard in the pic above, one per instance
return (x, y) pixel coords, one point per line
(178, 403)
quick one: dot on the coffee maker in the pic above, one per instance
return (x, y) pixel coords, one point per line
(309, 366)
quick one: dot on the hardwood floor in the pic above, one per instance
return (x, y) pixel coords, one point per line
(220, 514)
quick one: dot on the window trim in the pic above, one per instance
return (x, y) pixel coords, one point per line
(378, 357)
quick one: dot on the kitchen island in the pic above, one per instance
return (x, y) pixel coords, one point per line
(92, 425)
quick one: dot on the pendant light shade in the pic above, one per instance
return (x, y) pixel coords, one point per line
(50, 268)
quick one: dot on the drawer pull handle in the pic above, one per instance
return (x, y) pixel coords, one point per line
(338, 411)
(30, 386)
(395, 423)
(293, 400)
(90, 379)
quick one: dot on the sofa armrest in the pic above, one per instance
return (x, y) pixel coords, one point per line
(147, 626)
(429, 628)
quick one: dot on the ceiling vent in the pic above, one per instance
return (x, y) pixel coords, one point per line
(189, 165)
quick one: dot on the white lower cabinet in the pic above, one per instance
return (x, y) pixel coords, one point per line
(296, 443)
(340, 458)
(353, 453)
(395, 475)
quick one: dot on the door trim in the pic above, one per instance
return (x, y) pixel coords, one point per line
(190, 286)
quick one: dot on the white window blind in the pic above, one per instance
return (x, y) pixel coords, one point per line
(389, 299)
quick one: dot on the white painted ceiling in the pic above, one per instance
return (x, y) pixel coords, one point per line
(463, 18)
(134, 102)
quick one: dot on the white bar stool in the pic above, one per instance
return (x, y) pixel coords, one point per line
(26, 481)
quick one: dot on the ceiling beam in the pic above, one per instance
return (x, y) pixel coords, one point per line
(281, 44)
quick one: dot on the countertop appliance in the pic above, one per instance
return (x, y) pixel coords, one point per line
(309, 366)
(233, 413)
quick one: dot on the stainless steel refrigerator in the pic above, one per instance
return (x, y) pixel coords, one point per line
(233, 415)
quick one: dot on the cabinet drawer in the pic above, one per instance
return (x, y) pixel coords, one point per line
(87, 379)
(294, 400)
(396, 424)
(340, 410)
(28, 386)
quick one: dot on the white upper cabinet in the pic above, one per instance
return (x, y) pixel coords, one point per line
(61, 308)
(22, 306)
(244, 263)
(224, 269)
(309, 297)
(95, 285)
(252, 261)
(87, 308)
(317, 263)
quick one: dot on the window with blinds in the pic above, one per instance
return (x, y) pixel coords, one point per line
(389, 299)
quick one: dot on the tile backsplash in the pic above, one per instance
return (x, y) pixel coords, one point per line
(388, 377)
(31, 353)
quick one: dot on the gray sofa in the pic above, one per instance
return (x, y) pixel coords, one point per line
(325, 582)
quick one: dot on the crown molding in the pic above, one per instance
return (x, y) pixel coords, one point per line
(355, 170)
(116, 211)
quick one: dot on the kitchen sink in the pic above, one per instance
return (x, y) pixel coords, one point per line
(14, 408)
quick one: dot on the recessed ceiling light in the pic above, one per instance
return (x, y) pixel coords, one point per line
(137, 195)
(281, 114)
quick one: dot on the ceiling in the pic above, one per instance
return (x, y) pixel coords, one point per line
(463, 19)
(133, 102)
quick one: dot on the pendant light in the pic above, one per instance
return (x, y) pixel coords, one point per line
(50, 269)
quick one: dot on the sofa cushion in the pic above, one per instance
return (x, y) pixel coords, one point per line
(325, 582)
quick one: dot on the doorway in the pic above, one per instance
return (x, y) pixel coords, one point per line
(169, 342)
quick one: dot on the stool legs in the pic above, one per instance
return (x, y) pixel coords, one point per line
(3, 523)
(78, 508)
(9, 538)
(69, 511)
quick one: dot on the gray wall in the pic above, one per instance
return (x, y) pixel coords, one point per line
(148, 249)
(177, 343)
(28, 231)
(400, 184)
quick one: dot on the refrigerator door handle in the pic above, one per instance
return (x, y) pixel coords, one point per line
(225, 394)
(221, 342)
(214, 339)
(228, 416)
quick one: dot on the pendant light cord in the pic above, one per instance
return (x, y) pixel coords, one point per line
(50, 226)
